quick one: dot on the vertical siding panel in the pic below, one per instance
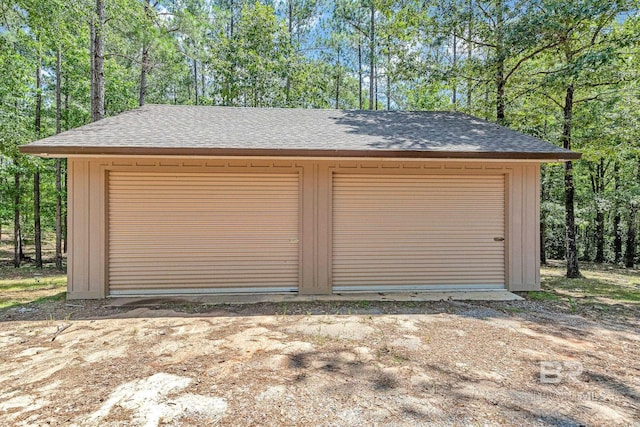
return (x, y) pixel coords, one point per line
(536, 255)
(71, 264)
(524, 242)
(531, 228)
(96, 212)
(507, 229)
(82, 242)
(307, 238)
(80, 225)
(515, 236)
(527, 231)
(323, 240)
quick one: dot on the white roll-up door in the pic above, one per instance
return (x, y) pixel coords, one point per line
(403, 232)
(182, 233)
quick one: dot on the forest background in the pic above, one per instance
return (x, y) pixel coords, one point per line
(564, 71)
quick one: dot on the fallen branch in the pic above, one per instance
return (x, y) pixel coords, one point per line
(60, 329)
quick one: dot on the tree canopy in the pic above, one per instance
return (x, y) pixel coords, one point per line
(564, 71)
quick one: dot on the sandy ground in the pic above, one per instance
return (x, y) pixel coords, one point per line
(444, 363)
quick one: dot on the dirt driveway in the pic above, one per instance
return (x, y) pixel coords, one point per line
(444, 363)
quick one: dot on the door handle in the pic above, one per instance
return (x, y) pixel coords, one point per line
(498, 239)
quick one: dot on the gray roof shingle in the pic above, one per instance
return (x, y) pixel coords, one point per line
(197, 130)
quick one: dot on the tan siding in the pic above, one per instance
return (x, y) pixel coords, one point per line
(184, 231)
(309, 226)
(516, 255)
(323, 233)
(86, 218)
(524, 244)
(87, 211)
(405, 230)
(97, 223)
(72, 229)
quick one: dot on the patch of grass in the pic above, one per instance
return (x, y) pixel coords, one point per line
(25, 290)
(283, 309)
(60, 296)
(596, 285)
(542, 296)
(36, 283)
(363, 304)
(26, 271)
(602, 288)
(16, 301)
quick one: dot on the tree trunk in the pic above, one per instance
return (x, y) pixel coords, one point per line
(372, 52)
(64, 206)
(143, 75)
(486, 102)
(38, 113)
(454, 94)
(21, 246)
(359, 73)
(469, 52)
(375, 87)
(388, 72)
(290, 27)
(338, 90)
(195, 79)
(598, 184)
(97, 74)
(630, 252)
(500, 57)
(202, 81)
(617, 232)
(338, 78)
(500, 116)
(37, 233)
(59, 90)
(573, 270)
(17, 242)
(59, 214)
(144, 60)
(543, 224)
(59, 161)
(231, 21)
(66, 111)
(227, 98)
(37, 230)
(65, 232)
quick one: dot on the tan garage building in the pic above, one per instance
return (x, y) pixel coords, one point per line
(171, 200)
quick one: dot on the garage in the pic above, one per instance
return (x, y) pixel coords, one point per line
(202, 200)
(418, 232)
(181, 233)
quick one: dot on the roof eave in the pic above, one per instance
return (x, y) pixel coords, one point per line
(71, 151)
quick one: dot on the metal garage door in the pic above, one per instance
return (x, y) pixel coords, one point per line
(402, 232)
(182, 233)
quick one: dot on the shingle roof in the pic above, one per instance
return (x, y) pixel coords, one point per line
(192, 130)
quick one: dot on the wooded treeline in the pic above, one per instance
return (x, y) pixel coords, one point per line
(564, 71)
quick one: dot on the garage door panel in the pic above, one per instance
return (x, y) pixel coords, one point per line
(199, 233)
(395, 231)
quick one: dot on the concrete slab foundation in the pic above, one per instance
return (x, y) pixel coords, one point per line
(491, 295)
